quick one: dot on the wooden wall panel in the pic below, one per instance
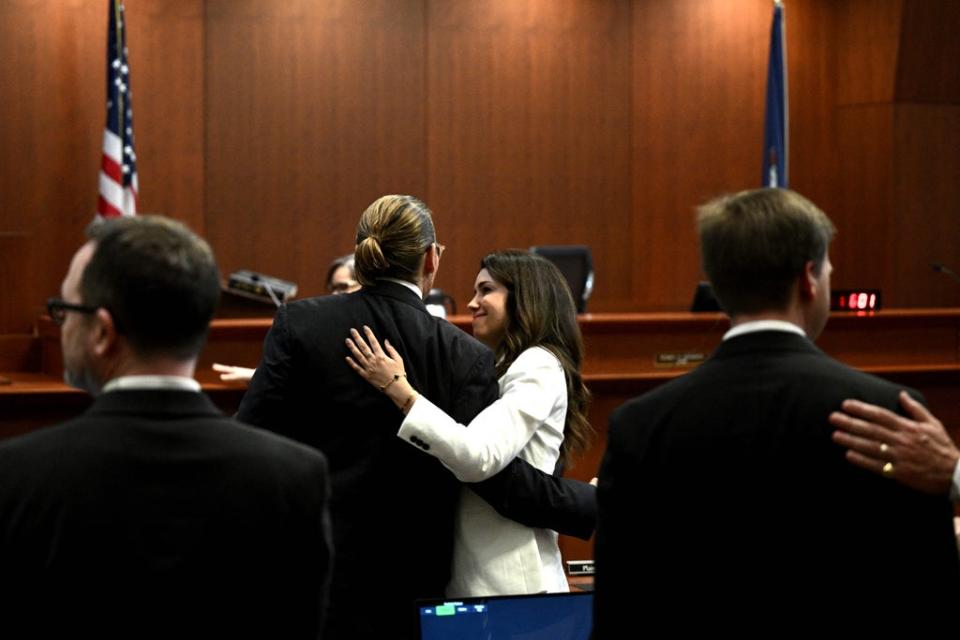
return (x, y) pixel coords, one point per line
(699, 79)
(313, 110)
(929, 50)
(926, 139)
(270, 126)
(529, 132)
(898, 150)
(50, 130)
(166, 59)
(814, 128)
(52, 117)
(21, 301)
(863, 205)
(18, 352)
(867, 37)
(926, 205)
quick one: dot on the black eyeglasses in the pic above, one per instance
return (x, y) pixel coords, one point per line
(57, 309)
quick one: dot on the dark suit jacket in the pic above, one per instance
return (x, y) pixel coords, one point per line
(392, 506)
(153, 515)
(723, 497)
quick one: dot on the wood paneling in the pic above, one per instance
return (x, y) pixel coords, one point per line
(269, 126)
(51, 125)
(929, 50)
(167, 67)
(528, 137)
(19, 352)
(21, 303)
(926, 156)
(52, 117)
(313, 110)
(862, 206)
(699, 78)
(867, 37)
(898, 150)
(814, 127)
(926, 216)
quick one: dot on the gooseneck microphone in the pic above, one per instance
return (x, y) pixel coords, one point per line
(942, 269)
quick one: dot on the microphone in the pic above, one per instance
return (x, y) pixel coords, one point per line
(942, 269)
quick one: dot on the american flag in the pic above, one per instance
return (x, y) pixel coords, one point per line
(118, 170)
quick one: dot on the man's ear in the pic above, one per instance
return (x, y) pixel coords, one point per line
(808, 282)
(431, 260)
(104, 335)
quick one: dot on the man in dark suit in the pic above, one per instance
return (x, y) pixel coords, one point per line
(723, 501)
(393, 507)
(153, 514)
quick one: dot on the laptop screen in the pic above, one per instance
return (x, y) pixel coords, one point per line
(550, 616)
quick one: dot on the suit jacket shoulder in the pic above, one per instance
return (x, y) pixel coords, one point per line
(738, 453)
(164, 499)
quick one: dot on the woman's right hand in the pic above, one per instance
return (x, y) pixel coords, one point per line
(382, 369)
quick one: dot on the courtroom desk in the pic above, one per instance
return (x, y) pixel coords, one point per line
(625, 347)
(580, 583)
(36, 400)
(915, 347)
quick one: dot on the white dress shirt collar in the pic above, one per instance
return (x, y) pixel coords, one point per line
(178, 383)
(763, 325)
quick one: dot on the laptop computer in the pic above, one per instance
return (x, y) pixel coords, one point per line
(550, 616)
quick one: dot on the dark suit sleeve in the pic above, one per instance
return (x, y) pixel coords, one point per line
(521, 492)
(307, 550)
(613, 543)
(323, 541)
(478, 390)
(524, 494)
(265, 404)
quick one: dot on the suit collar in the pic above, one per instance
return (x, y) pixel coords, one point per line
(415, 289)
(153, 402)
(765, 341)
(396, 291)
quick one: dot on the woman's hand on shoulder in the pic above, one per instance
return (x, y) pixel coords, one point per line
(382, 369)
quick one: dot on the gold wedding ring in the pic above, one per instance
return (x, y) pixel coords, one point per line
(888, 469)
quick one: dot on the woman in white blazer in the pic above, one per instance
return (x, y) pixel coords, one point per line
(523, 310)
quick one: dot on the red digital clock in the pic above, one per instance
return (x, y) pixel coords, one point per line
(855, 300)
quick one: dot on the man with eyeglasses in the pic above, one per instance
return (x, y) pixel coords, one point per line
(153, 514)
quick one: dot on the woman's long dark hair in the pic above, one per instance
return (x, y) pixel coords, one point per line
(541, 313)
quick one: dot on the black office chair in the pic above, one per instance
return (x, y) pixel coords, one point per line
(576, 264)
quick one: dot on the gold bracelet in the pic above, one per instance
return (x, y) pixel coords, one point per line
(396, 376)
(408, 403)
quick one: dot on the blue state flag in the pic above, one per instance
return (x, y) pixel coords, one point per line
(776, 129)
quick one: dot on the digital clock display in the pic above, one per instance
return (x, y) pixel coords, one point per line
(855, 300)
